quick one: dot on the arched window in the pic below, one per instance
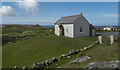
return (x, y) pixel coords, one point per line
(81, 29)
(67, 30)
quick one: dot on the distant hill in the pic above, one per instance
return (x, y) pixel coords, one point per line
(23, 26)
(48, 26)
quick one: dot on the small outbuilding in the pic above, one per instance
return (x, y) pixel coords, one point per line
(109, 28)
(74, 26)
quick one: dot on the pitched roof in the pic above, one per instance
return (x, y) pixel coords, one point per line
(68, 19)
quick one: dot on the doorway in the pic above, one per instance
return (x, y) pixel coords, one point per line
(90, 31)
(61, 30)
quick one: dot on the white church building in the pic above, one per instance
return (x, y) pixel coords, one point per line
(74, 26)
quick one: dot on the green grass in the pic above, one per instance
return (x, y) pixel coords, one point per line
(40, 48)
(99, 53)
(0, 57)
(13, 34)
(22, 31)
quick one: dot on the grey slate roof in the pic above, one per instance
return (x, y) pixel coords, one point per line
(68, 19)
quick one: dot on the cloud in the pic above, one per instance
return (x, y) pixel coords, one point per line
(110, 15)
(7, 11)
(31, 6)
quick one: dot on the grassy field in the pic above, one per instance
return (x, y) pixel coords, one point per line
(40, 48)
(99, 53)
(0, 57)
(15, 33)
(21, 31)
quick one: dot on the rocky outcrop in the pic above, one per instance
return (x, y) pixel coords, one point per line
(80, 59)
(103, 65)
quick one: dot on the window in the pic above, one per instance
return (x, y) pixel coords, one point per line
(81, 29)
(67, 30)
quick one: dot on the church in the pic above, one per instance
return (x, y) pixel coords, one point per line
(74, 26)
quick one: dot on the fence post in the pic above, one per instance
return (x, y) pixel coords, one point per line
(111, 39)
(100, 39)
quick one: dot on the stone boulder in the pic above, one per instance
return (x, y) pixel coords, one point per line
(16, 67)
(103, 65)
(60, 57)
(34, 64)
(80, 59)
(25, 68)
(54, 59)
(63, 55)
(85, 48)
(77, 50)
(81, 49)
(68, 57)
(42, 64)
(46, 62)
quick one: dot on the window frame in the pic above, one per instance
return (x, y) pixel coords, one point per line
(82, 29)
(67, 30)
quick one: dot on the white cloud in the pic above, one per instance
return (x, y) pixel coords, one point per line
(31, 6)
(110, 15)
(7, 11)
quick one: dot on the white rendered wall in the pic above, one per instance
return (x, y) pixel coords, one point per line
(81, 22)
(70, 30)
(93, 32)
(57, 30)
(65, 26)
(108, 29)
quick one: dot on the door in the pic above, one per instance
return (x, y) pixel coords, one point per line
(90, 32)
(61, 30)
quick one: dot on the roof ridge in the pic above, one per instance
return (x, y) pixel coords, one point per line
(68, 19)
(72, 16)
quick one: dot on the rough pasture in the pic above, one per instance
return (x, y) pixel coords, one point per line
(40, 48)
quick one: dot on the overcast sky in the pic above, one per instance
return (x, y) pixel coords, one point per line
(47, 13)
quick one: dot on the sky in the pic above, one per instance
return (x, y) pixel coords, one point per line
(66, 0)
(47, 13)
